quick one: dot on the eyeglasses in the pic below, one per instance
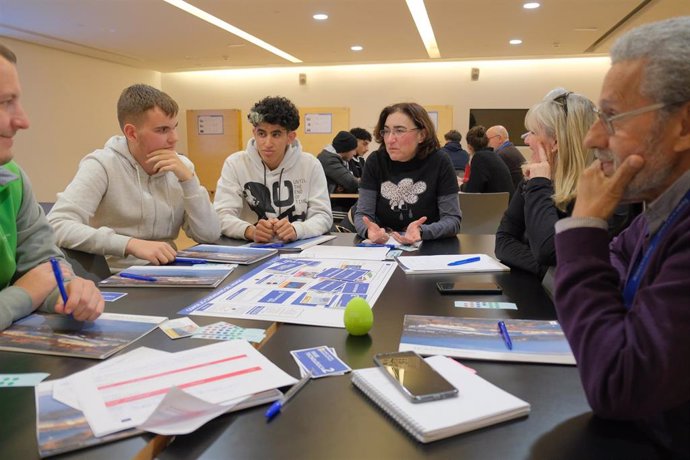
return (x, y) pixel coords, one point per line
(396, 132)
(607, 120)
(562, 100)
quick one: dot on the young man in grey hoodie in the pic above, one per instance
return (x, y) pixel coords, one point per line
(129, 200)
(273, 190)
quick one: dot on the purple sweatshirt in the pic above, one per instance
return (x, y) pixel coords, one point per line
(634, 364)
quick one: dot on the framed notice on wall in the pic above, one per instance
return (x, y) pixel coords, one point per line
(433, 114)
(318, 123)
(209, 124)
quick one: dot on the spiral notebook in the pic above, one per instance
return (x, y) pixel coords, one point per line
(478, 404)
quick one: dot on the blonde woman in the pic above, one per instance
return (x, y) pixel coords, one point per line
(557, 127)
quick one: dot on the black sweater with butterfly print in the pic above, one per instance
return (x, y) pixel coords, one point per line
(396, 193)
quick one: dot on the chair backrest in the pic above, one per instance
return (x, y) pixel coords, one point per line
(482, 212)
(46, 205)
(90, 266)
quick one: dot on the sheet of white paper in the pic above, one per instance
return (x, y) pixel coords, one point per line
(345, 252)
(123, 396)
(439, 264)
(181, 413)
(65, 393)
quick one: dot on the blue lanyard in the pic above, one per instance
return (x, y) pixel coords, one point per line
(634, 281)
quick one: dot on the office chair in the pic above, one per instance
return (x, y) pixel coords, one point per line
(46, 205)
(482, 212)
(90, 266)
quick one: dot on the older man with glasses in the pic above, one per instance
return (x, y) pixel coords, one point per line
(624, 307)
(499, 140)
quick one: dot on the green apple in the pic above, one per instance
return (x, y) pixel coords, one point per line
(358, 316)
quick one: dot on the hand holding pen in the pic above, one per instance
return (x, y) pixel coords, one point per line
(84, 302)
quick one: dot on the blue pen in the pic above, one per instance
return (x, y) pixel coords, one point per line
(464, 261)
(503, 330)
(58, 277)
(277, 406)
(132, 276)
(375, 245)
(267, 245)
(189, 260)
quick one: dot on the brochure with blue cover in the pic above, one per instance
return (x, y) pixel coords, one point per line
(242, 255)
(203, 275)
(535, 341)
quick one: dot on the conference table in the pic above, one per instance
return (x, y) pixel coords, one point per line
(332, 419)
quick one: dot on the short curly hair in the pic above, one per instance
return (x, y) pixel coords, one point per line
(276, 111)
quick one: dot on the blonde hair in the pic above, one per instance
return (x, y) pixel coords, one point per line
(565, 117)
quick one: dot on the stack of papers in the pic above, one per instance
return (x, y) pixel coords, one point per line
(450, 264)
(125, 392)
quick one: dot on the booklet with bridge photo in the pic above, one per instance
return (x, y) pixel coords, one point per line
(54, 334)
(535, 341)
(202, 276)
(243, 255)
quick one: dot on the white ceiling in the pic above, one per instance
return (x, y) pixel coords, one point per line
(154, 35)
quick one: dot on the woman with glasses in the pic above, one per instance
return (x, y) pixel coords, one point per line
(408, 185)
(557, 127)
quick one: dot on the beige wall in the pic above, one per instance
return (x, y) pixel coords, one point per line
(367, 89)
(71, 103)
(71, 99)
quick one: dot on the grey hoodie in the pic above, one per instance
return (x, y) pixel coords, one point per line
(112, 199)
(248, 191)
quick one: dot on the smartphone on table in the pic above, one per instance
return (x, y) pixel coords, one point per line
(418, 381)
(467, 287)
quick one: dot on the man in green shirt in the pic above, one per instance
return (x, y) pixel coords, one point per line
(27, 241)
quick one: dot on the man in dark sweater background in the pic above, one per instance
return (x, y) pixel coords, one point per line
(499, 140)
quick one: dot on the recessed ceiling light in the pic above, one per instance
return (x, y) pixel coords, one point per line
(516, 41)
(531, 5)
(356, 48)
(320, 16)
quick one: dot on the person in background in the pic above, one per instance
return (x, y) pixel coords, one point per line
(557, 126)
(27, 281)
(273, 190)
(334, 159)
(458, 156)
(356, 164)
(499, 141)
(489, 173)
(408, 185)
(129, 199)
(624, 306)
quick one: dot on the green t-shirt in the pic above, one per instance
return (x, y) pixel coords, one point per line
(10, 201)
